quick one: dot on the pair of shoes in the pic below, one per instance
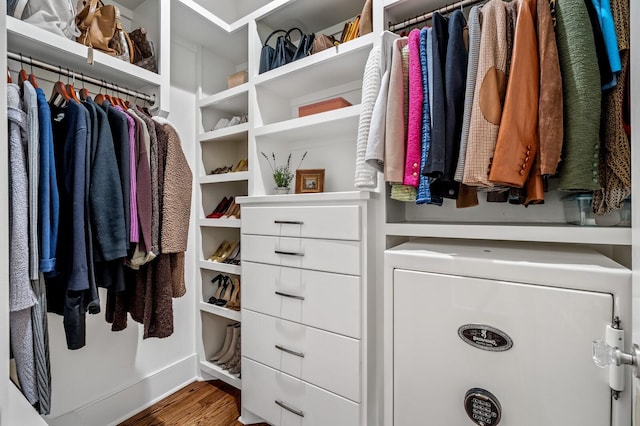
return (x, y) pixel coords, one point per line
(221, 170)
(232, 211)
(234, 301)
(234, 257)
(225, 292)
(242, 166)
(221, 208)
(228, 349)
(233, 121)
(223, 251)
(233, 362)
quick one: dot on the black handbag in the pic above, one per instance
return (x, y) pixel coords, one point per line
(268, 53)
(304, 46)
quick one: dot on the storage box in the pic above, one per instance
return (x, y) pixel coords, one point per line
(577, 210)
(620, 217)
(237, 79)
(322, 106)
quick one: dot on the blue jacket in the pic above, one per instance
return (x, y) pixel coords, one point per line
(48, 201)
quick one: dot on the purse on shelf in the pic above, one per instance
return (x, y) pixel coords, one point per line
(100, 28)
(323, 42)
(144, 54)
(268, 53)
(285, 51)
(305, 44)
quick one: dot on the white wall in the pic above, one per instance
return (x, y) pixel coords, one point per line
(117, 373)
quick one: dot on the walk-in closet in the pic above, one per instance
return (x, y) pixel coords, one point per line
(342, 212)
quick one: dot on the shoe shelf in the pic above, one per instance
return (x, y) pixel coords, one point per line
(230, 100)
(224, 177)
(542, 232)
(226, 268)
(220, 223)
(217, 372)
(221, 311)
(329, 124)
(321, 71)
(235, 133)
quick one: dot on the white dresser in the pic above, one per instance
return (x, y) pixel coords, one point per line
(305, 299)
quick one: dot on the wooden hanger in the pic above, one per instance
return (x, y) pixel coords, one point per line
(9, 76)
(59, 91)
(32, 76)
(70, 89)
(84, 92)
(100, 98)
(22, 74)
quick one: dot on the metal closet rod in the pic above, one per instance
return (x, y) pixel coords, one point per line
(151, 99)
(426, 16)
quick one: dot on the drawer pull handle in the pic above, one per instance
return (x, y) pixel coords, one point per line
(288, 222)
(291, 296)
(289, 351)
(289, 409)
(289, 253)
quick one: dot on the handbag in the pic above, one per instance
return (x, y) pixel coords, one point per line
(323, 42)
(144, 54)
(100, 28)
(304, 46)
(268, 53)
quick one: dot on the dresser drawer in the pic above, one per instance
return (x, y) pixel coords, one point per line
(323, 255)
(319, 299)
(332, 222)
(266, 392)
(324, 359)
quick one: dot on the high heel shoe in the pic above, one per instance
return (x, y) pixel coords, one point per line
(219, 251)
(229, 288)
(234, 301)
(230, 209)
(234, 258)
(230, 248)
(239, 166)
(220, 208)
(225, 345)
(235, 361)
(221, 280)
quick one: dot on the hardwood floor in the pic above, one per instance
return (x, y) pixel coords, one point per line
(213, 403)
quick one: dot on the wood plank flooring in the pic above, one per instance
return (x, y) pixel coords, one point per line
(212, 403)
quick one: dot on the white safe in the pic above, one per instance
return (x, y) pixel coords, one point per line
(485, 333)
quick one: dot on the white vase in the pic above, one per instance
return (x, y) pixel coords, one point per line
(280, 190)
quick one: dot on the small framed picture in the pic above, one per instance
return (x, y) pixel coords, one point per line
(309, 180)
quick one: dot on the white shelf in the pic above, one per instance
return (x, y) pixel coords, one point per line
(220, 223)
(226, 134)
(324, 70)
(338, 122)
(543, 232)
(197, 25)
(224, 177)
(226, 268)
(313, 16)
(30, 40)
(398, 10)
(308, 198)
(221, 311)
(217, 372)
(232, 100)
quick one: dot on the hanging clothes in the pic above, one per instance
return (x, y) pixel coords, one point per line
(423, 195)
(490, 90)
(603, 9)
(615, 156)
(416, 98)
(21, 297)
(395, 127)
(366, 176)
(582, 97)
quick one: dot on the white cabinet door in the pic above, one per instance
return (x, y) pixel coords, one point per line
(543, 379)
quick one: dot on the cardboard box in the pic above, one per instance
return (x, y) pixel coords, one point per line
(237, 79)
(323, 106)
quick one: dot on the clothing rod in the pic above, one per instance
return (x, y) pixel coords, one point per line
(426, 16)
(79, 76)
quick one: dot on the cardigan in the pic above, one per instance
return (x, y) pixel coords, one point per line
(395, 132)
(21, 297)
(416, 97)
(366, 176)
(582, 97)
(489, 94)
(30, 99)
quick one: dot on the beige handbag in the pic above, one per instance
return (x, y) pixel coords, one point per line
(100, 28)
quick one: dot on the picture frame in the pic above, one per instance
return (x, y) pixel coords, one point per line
(309, 181)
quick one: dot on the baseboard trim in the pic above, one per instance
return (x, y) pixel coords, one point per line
(248, 418)
(126, 402)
